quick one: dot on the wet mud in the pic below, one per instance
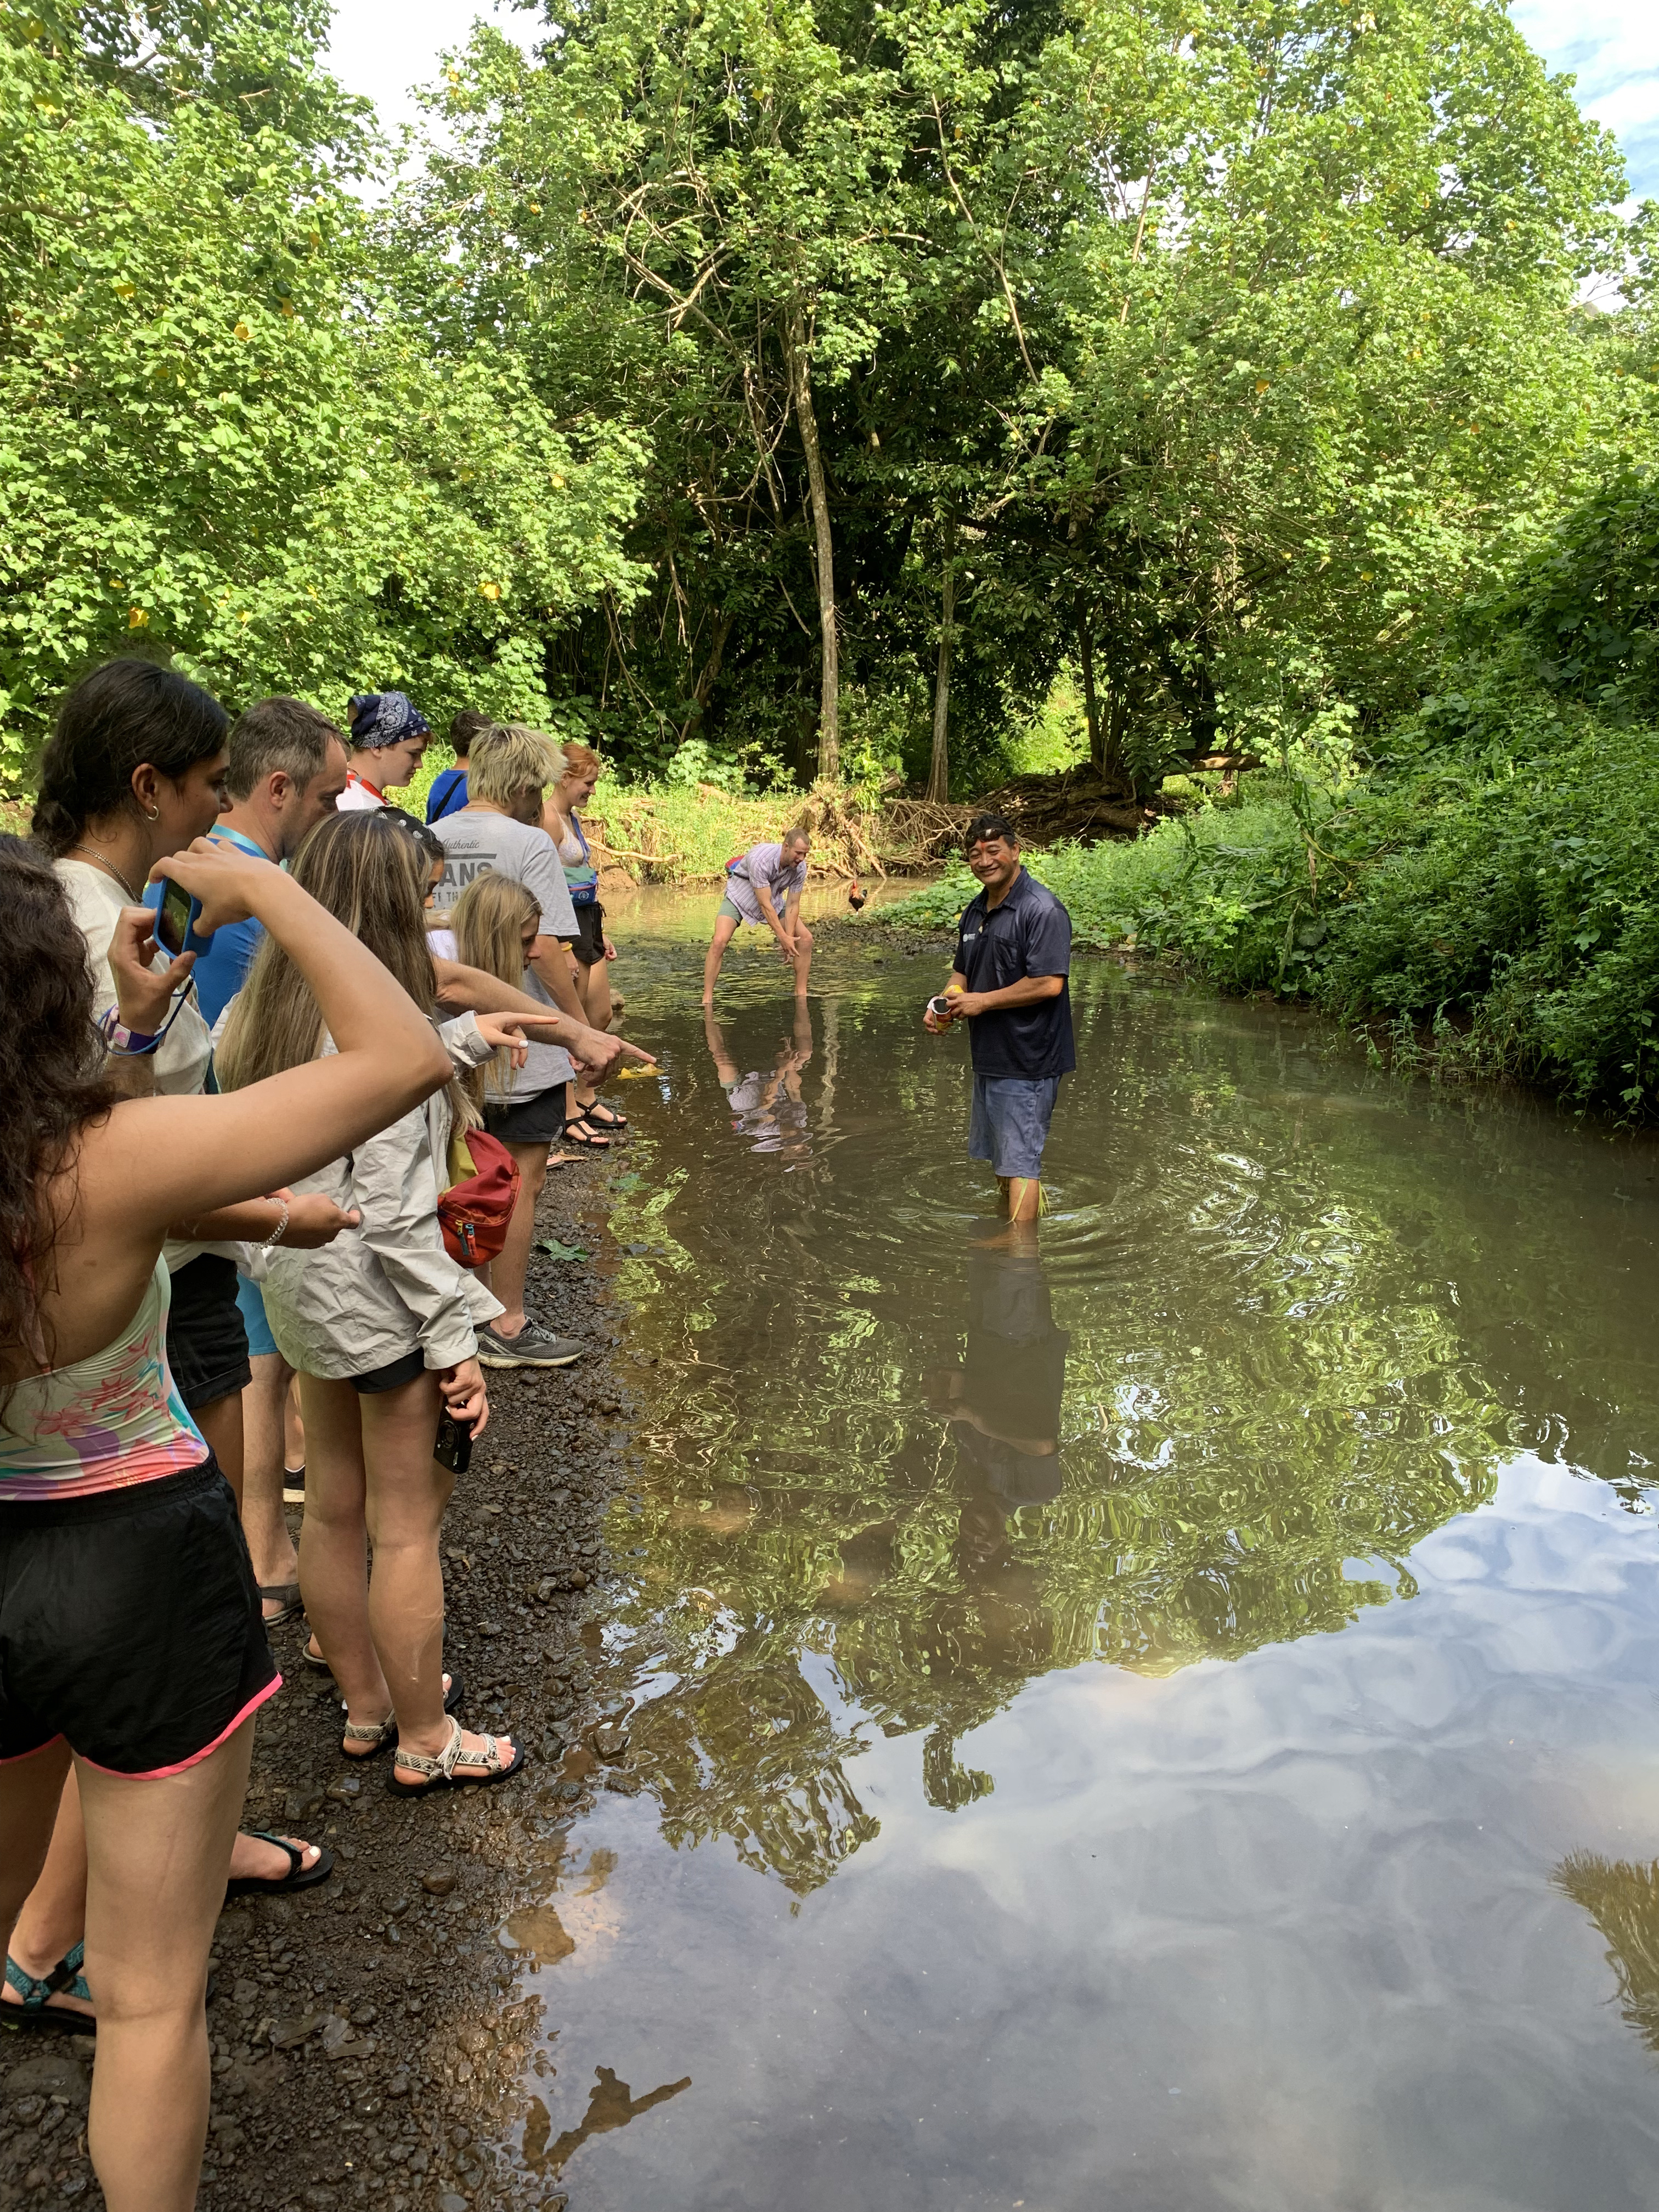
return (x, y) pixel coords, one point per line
(367, 2032)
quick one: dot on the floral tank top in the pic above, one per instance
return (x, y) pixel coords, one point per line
(101, 1423)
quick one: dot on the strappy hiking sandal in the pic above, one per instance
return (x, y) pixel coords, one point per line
(603, 1117)
(288, 1595)
(314, 1660)
(593, 1142)
(441, 1770)
(377, 1734)
(293, 1485)
(298, 1875)
(37, 2014)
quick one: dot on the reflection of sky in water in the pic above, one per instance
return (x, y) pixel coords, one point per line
(1265, 1912)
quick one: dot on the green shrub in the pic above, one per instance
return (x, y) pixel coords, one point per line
(1504, 898)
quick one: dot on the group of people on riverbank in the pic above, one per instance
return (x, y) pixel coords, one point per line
(266, 1119)
(283, 1069)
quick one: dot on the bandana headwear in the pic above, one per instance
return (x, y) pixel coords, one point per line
(386, 718)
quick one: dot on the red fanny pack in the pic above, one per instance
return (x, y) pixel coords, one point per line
(484, 1188)
(736, 861)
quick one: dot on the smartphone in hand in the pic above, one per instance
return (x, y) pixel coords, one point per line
(175, 920)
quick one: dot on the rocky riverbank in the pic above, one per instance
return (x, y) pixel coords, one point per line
(369, 2035)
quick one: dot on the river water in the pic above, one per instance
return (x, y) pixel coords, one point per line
(1163, 1717)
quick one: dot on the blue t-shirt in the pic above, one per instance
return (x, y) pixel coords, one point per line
(221, 970)
(1029, 935)
(447, 794)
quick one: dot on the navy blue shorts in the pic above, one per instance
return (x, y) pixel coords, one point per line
(207, 1338)
(1009, 1123)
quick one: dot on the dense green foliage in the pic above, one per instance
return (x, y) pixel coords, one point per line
(1486, 879)
(214, 437)
(1202, 356)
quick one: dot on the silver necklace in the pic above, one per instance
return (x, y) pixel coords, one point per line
(109, 869)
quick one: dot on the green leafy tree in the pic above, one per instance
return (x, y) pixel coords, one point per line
(210, 439)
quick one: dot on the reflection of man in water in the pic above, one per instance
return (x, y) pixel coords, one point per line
(767, 1106)
(1004, 1402)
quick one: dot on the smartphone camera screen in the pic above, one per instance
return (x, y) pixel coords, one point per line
(172, 921)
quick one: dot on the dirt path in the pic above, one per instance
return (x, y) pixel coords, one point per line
(369, 2035)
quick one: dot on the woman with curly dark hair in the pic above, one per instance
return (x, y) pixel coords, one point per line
(131, 1644)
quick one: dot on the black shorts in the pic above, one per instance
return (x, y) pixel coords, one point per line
(129, 1624)
(391, 1377)
(537, 1119)
(589, 945)
(207, 1339)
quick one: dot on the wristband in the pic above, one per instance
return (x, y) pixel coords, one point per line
(126, 1043)
(279, 1231)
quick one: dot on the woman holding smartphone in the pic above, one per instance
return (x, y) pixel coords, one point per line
(381, 1329)
(134, 1646)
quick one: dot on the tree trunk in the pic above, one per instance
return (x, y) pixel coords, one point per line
(704, 686)
(824, 548)
(939, 772)
(1085, 653)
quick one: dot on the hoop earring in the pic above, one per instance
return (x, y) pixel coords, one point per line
(152, 814)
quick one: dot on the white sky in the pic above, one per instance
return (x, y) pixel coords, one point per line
(384, 47)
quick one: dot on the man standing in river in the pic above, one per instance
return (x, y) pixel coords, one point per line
(1013, 957)
(766, 877)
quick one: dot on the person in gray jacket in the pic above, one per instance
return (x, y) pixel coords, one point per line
(384, 1335)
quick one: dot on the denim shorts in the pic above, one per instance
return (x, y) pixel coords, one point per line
(1009, 1122)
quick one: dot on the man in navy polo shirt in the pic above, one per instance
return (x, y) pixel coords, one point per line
(1013, 956)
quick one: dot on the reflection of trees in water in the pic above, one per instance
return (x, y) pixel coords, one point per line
(1623, 1900)
(748, 1749)
(1259, 1423)
(611, 2104)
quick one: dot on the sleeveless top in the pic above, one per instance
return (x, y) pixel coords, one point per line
(102, 1423)
(581, 878)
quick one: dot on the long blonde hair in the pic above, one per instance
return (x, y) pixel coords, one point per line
(488, 919)
(365, 868)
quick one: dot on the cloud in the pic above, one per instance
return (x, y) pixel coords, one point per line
(386, 48)
(1612, 47)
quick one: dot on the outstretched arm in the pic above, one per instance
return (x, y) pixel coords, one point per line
(160, 1160)
(463, 990)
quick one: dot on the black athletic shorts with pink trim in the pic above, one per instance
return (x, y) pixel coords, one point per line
(129, 1624)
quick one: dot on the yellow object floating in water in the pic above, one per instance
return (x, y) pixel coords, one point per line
(634, 1075)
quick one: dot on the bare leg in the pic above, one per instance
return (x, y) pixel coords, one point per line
(334, 1540)
(1022, 1197)
(507, 1269)
(221, 1425)
(158, 1852)
(263, 1520)
(294, 1433)
(31, 1795)
(54, 1916)
(406, 1492)
(803, 957)
(723, 926)
(593, 988)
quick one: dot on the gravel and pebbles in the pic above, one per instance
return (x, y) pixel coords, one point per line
(369, 2035)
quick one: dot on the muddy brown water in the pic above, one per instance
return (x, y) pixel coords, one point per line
(1167, 1720)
